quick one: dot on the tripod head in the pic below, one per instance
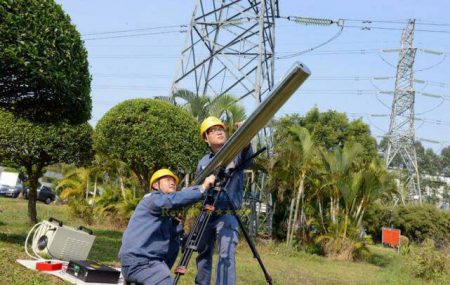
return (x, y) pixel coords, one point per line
(223, 174)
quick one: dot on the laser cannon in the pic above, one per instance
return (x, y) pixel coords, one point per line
(258, 119)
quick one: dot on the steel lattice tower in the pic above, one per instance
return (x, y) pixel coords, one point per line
(230, 48)
(401, 134)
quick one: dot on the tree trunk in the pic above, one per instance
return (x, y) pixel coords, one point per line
(87, 188)
(360, 218)
(122, 187)
(345, 223)
(33, 175)
(321, 215)
(143, 178)
(95, 189)
(297, 203)
(303, 219)
(358, 212)
(336, 213)
(270, 220)
(186, 184)
(332, 213)
(288, 236)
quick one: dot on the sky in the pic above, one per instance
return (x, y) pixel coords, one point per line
(142, 63)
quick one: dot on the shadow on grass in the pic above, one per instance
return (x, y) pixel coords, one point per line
(13, 238)
(108, 234)
(380, 260)
(106, 246)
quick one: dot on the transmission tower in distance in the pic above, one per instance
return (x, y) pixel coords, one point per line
(401, 135)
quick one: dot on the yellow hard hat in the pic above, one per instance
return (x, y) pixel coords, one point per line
(208, 123)
(161, 173)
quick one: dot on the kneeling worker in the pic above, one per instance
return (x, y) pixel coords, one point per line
(151, 241)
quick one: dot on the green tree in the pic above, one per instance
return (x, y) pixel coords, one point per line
(293, 160)
(445, 156)
(149, 134)
(332, 129)
(225, 107)
(342, 180)
(377, 185)
(427, 161)
(35, 145)
(74, 184)
(198, 106)
(417, 222)
(44, 69)
(330, 132)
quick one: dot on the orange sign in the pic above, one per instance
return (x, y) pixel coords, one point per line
(390, 236)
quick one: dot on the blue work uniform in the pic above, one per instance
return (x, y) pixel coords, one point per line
(150, 243)
(222, 226)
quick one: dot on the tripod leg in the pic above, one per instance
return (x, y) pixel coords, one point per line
(248, 239)
(195, 237)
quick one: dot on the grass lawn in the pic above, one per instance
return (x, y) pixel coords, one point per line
(286, 267)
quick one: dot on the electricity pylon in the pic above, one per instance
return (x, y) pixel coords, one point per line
(230, 48)
(401, 136)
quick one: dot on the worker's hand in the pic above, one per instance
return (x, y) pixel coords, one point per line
(238, 125)
(209, 182)
(179, 220)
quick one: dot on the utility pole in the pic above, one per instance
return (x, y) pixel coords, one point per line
(230, 48)
(401, 136)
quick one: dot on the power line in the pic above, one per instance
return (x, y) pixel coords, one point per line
(369, 21)
(367, 24)
(368, 28)
(425, 120)
(312, 78)
(418, 22)
(289, 53)
(135, 30)
(135, 35)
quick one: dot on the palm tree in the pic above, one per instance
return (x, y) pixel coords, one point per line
(354, 186)
(74, 184)
(227, 108)
(198, 106)
(341, 180)
(77, 180)
(118, 171)
(293, 160)
(377, 183)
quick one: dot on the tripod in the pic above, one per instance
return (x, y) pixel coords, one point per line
(208, 207)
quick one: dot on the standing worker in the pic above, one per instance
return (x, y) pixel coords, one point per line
(150, 243)
(222, 225)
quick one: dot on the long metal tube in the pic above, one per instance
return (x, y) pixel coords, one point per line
(258, 119)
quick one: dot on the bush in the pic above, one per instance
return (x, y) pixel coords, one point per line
(342, 248)
(149, 134)
(416, 222)
(423, 222)
(81, 209)
(428, 263)
(45, 70)
(115, 209)
(405, 245)
(376, 217)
